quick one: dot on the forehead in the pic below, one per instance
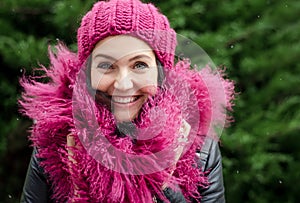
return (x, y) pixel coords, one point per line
(121, 45)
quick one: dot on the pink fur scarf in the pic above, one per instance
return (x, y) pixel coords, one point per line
(110, 168)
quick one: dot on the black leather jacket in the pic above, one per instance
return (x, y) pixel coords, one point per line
(36, 189)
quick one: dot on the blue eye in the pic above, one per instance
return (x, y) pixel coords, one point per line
(105, 65)
(140, 65)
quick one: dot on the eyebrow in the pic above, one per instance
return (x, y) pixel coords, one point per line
(139, 57)
(131, 59)
(105, 56)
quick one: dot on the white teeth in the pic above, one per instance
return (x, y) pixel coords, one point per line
(124, 100)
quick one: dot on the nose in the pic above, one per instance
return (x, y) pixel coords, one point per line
(123, 80)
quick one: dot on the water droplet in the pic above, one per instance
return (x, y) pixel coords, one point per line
(9, 196)
(280, 182)
(187, 42)
(21, 70)
(286, 5)
(237, 172)
(280, 78)
(258, 16)
(232, 46)
(17, 119)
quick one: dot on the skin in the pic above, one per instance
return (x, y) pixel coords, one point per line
(124, 70)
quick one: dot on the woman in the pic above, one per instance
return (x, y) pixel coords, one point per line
(119, 121)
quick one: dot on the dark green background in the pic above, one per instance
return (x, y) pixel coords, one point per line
(258, 42)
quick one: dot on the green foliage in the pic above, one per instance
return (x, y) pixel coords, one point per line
(27, 29)
(258, 42)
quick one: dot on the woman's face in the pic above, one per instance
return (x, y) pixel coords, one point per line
(124, 69)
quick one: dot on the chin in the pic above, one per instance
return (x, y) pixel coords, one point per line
(124, 116)
(126, 113)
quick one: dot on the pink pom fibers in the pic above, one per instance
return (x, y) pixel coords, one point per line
(119, 169)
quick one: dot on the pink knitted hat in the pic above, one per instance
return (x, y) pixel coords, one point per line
(132, 17)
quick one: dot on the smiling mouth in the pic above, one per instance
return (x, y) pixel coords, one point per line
(124, 100)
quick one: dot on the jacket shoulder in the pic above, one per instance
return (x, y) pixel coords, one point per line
(210, 161)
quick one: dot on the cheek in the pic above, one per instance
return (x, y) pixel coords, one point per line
(148, 83)
(149, 89)
(100, 82)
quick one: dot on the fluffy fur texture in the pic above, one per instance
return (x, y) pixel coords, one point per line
(110, 168)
